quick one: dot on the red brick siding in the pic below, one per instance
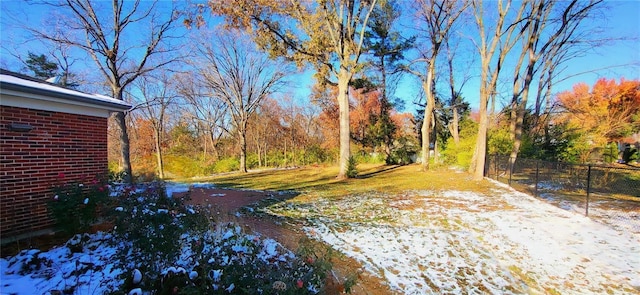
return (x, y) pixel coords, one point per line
(31, 162)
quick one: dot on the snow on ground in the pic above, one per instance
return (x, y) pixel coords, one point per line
(91, 270)
(616, 212)
(419, 242)
(455, 242)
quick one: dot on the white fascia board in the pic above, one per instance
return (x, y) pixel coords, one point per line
(43, 103)
(12, 85)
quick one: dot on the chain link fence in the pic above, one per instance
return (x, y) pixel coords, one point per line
(608, 194)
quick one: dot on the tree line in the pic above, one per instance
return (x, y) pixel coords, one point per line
(211, 83)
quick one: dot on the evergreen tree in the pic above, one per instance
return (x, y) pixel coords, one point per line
(386, 47)
(41, 66)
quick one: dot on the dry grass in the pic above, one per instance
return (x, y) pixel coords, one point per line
(375, 184)
(321, 181)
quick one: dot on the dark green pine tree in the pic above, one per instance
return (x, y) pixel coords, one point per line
(386, 47)
(41, 66)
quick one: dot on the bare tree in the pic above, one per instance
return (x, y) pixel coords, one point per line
(551, 27)
(157, 93)
(501, 40)
(124, 44)
(241, 76)
(328, 35)
(456, 104)
(208, 111)
(438, 18)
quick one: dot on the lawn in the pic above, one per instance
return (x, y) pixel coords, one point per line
(321, 180)
(435, 232)
(441, 232)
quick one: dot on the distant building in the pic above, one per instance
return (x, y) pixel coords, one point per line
(46, 131)
(628, 148)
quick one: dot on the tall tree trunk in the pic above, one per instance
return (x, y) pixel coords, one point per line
(479, 156)
(480, 153)
(515, 95)
(522, 108)
(435, 139)
(427, 86)
(517, 135)
(159, 154)
(259, 152)
(205, 150)
(242, 134)
(345, 137)
(214, 149)
(124, 147)
(285, 154)
(454, 127)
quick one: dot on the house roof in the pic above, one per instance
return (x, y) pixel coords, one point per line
(15, 84)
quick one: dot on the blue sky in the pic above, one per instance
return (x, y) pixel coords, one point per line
(614, 60)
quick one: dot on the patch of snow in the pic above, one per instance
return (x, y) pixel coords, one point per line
(59, 265)
(228, 234)
(94, 271)
(215, 274)
(175, 187)
(203, 185)
(137, 276)
(230, 288)
(461, 242)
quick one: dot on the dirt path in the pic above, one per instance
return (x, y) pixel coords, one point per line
(227, 202)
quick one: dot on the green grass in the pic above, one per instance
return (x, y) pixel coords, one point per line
(372, 178)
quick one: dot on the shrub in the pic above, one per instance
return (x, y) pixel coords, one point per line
(173, 248)
(252, 161)
(402, 151)
(500, 142)
(148, 222)
(75, 207)
(316, 155)
(460, 154)
(226, 165)
(363, 156)
(352, 170)
(184, 166)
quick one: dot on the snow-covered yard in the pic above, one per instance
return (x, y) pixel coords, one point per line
(459, 242)
(418, 242)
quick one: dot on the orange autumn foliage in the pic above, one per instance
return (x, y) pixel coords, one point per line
(364, 105)
(607, 112)
(406, 124)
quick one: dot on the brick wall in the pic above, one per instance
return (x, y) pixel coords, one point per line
(30, 162)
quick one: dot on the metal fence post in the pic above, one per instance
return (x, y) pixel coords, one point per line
(537, 172)
(586, 212)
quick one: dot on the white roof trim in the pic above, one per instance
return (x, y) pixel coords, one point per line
(19, 92)
(43, 103)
